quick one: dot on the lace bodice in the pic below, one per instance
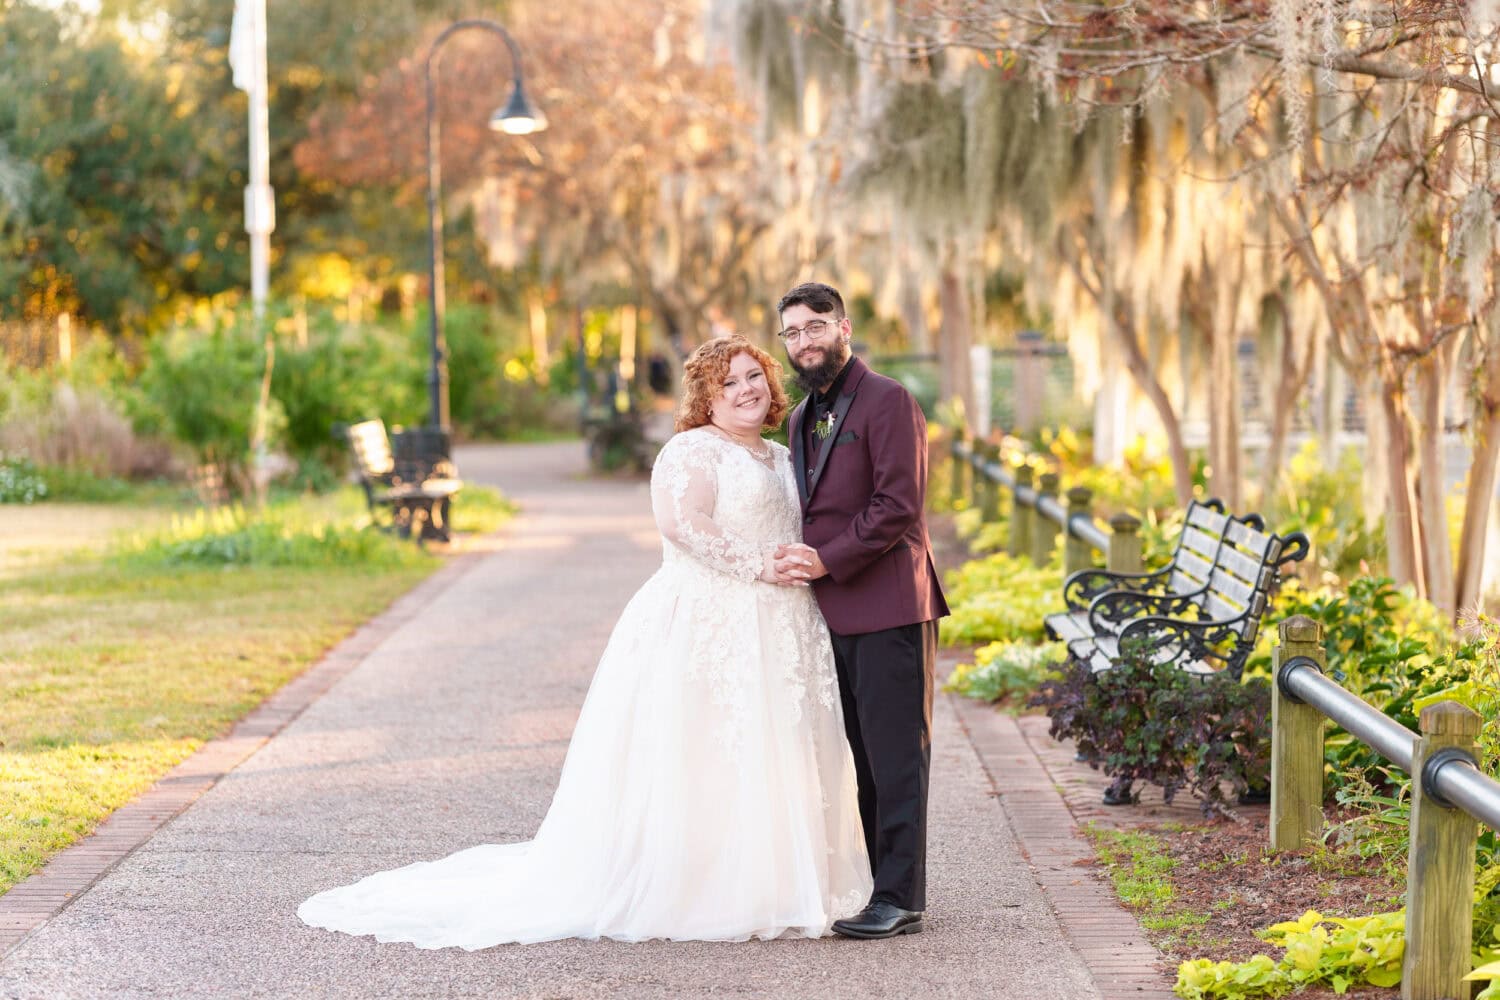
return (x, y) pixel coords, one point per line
(719, 506)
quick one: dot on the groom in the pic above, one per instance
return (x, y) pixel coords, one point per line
(859, 452)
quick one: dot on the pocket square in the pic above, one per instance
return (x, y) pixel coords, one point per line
(845, 438)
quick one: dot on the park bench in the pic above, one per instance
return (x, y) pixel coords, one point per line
(415, 492)
(1208, 631)
(1186, 572)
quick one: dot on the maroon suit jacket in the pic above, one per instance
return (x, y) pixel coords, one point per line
(863, 507)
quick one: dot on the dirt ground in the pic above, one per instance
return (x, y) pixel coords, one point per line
(1230, 861)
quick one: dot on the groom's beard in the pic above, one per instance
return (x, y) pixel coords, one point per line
(821, 373)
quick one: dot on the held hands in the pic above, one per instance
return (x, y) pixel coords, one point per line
(777, 570)
(797, 564)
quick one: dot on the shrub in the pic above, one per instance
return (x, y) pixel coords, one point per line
(282, 536)
(1325, 500)
(203, 389)
(477, 350)
(20, 482)
(1000, 597)
(513, 406)
(75, 419)
(1144, 487)
(1155, 723)
(342, 375)
(1006, 669)
(479, 510)
(84, 430)
(1318, 950)
(80, 485)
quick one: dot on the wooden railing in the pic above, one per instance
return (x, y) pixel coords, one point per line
(1037, 515)
(1450, 795)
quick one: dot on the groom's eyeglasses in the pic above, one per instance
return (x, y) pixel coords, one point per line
(813, 329)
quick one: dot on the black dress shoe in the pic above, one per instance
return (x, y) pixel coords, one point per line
(1119, 793)
(880, 920)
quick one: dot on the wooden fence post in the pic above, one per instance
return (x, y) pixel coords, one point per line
(1296, 743)
(1030, 382)
(1044, 529)
(65, 339)
(1078, 554)
(959, 465)
(991, 509)
(1124, 544)
(976, 478)
(1440, 866)
(1021, 515)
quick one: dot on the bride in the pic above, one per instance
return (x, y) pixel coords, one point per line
(708, 791)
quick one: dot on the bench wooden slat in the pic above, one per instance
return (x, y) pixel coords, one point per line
(1194, 569)
(1102, 653)
(1225, 584)
(1069, 625)
(1206, 518)
(1240, 564)
(1253, 543)
(1217, 608)
(1183, 584)
(1200, 542)
(372, 448)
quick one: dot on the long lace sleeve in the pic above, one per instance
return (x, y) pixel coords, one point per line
(684, 494)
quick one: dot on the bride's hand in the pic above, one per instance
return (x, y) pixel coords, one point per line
(800, 561)
(784, 569)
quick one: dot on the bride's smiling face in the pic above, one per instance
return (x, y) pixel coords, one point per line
(745, 397)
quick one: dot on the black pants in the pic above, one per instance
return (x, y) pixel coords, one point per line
(885, 681)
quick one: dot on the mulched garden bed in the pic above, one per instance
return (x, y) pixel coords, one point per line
(1230, 861)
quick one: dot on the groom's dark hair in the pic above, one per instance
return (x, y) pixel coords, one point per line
(818, 297)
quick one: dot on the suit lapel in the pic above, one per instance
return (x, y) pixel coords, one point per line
(825, 448)
(799, 449)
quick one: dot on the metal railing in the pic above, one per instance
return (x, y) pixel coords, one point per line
(1037, 515)
(1449, 796)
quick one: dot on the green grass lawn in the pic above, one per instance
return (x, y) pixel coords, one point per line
(121, 655)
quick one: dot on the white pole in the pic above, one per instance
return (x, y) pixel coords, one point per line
(260, 206)
(981, 365)
(247, 58)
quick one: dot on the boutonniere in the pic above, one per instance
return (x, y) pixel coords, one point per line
(824, 427)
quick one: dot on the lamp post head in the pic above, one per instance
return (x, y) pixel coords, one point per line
(518, 117)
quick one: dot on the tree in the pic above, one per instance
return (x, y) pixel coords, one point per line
(648, 176)
(123, 152)
(1368, 135)
(109, 205)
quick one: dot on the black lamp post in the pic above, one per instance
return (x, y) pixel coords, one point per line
(516, 118)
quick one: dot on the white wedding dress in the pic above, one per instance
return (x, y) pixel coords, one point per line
(708, 791)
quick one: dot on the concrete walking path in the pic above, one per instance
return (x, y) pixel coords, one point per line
(445, 725)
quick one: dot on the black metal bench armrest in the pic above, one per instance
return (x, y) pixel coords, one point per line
(1296, 546)
(1176, 640)
(1082, 587)
(1156, 639)
(1119, 606)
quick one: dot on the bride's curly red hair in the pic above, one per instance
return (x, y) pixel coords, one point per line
(703, 379)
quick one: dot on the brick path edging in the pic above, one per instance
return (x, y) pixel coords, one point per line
(31, 903)
(1124, 964)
